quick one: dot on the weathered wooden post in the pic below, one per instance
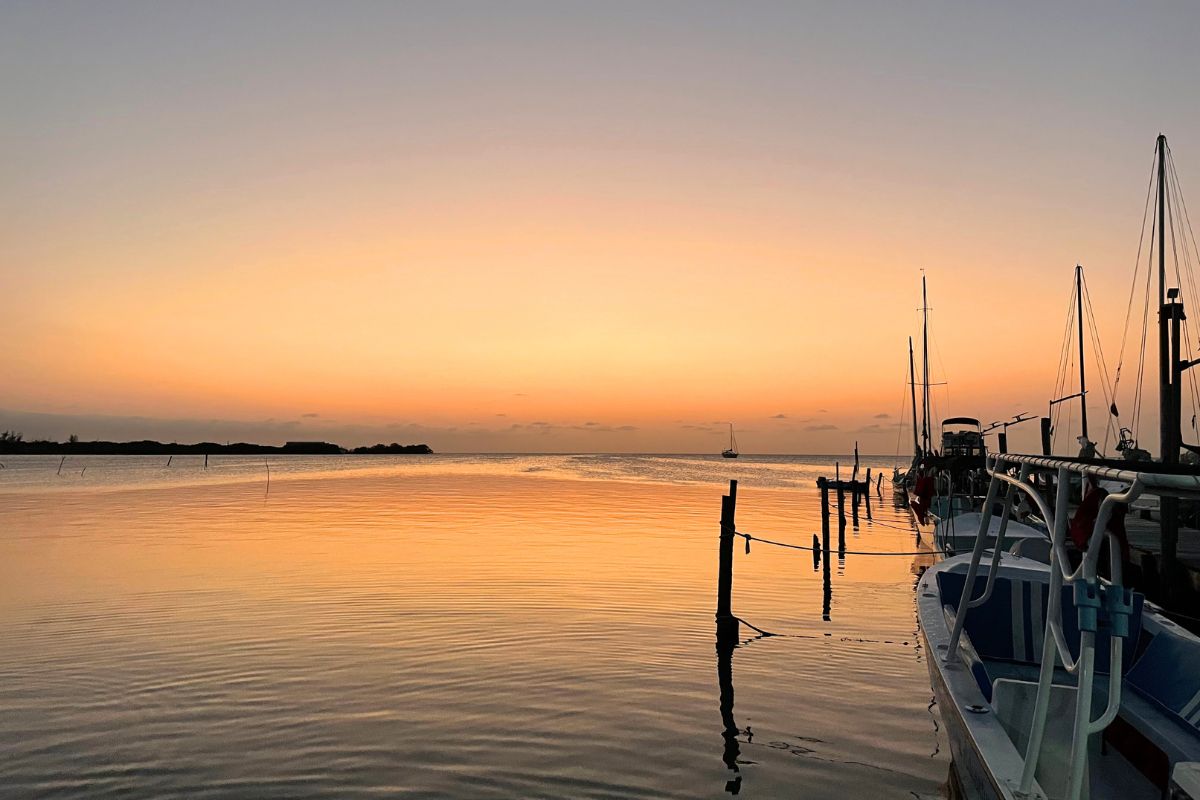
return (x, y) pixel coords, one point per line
(1046, 444)
(867, 492)
(824, 486)
(841, 498)
(727, 624)
(855, 498)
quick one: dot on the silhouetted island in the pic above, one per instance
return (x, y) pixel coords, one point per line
(12, 443)
(388, 449)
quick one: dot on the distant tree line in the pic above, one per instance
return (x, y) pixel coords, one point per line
(13, 443)
(383, 449)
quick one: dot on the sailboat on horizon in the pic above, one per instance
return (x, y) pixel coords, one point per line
(731, 451)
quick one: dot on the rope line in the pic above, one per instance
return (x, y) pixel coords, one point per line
(750, 537)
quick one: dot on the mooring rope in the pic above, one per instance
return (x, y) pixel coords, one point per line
(752, 538)
(816, 637)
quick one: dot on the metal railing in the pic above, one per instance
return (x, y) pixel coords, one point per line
(1092, 599)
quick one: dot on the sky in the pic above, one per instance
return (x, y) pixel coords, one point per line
(569, 226)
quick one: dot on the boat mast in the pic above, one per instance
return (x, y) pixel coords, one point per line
(1168, 453)
(1170, 368)
(925, 421)
(1082, 383)
(912, 384)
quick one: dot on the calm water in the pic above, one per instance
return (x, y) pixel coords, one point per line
(446, 626)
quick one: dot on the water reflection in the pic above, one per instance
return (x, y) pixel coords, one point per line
(726, 644)
(440, 635)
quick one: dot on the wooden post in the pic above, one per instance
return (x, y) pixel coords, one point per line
(824, 485)
(867, 492)
(1002, 441)
(841, 498)
(1046, 445)
(842, 520)
(816, 550)
(855, 497)
(206, 460)
(727, 624)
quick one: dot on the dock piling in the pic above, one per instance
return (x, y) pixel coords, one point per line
(727, 624)
(867, 492)
(824, 486)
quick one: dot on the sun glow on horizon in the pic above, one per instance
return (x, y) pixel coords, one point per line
(388, 219)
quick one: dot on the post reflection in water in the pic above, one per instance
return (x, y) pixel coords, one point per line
(726, 643)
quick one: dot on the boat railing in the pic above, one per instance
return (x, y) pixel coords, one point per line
(1093, 598)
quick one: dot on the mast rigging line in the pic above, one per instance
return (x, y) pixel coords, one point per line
(1181, 215)
(1173, 219)
(1133, 283)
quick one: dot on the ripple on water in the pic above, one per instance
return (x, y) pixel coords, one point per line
(474, 627)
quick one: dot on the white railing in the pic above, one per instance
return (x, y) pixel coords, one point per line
(1088, 592)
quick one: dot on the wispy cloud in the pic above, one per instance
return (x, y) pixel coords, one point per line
(823, 427)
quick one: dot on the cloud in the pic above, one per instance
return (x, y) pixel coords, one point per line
(875, 427)
(823, 410)
(502, 415)
(626, 428)
(824, 427)
(780, 416)
(882, 416)
(310, 415)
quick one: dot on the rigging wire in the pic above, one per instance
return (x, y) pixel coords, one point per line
(1061, 376)
(900, 428)
(1181, 213)
(1133, 283)
(1137, 392)
(1105, 380)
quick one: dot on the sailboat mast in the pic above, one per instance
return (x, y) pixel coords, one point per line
(1082, 382)
(925, 420)
(1168, 453)
(912, 384)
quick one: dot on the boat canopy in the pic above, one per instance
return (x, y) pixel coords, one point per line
(961, 421)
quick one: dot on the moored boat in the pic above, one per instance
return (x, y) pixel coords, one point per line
(1022, 654)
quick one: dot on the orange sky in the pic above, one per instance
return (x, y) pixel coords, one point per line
(366, 221)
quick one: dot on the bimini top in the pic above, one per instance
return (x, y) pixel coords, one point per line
(961, 421)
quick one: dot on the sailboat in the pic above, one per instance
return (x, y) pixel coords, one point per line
(731, 451)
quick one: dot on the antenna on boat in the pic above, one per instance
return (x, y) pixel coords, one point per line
(1002, 437)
